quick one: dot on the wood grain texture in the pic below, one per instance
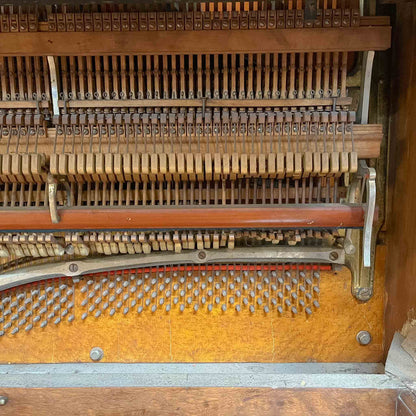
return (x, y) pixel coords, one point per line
(198, 401)
(367, 140)
(161, 218)
(194, 42)
(328, 335)
(401, 218)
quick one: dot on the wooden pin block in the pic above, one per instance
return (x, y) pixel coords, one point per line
(162, 242)
(145, 245)
(216, 241)
(145, 167)
(118, 166)
(243, 166)
(63, 164)
(208, 166)
(307, 164)
(177, 243)
(53, 164)
(154, 167)
(37, 165)
(190, 168)
(184, 241)
(82, 166)
(3, 178)
(280, 165)
(271, 165)
(199, 167)
(353, 162)
(199, 242)
(262, 168)
(26, 168)
(297, 174)
(235, 166)
(333, 164)
(253, 165)
(290, 164)
(207, 241)
(223, 240)
(343, 162)
(153, 242)
(231, 241)
(169, 242)
(127, 167)
(226, 166)
(72, 169)
(17, 168)
(217, 167)
(100, 166)
(163, 168)
(135, 167)
(172, 166)
(90, 167)
(324, 164)
(180, 160)
(316, 164)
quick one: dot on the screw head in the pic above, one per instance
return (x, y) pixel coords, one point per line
(349, 248)
(3, 400)
(363, 337)
(202, 255)
(333, 255)
(364, 294)
(96, 354)
(73, 267)
(69, 249)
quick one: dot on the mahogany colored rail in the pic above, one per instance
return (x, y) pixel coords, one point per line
(193, 42)
(159, 218)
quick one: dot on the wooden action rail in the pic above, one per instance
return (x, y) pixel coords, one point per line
(159, 218)
(347, 39)
(367, 139)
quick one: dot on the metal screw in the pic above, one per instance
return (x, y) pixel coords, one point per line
(96, 354)
(3, 400)
(333, 255)
(349, 248)
(202, 255)
(363, 337)
(73, 267)
(69, 249)
(364, 294)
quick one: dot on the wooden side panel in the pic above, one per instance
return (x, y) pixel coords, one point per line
(198, 401)
(401, 213)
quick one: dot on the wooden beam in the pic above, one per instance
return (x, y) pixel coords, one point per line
(194, 42)
(199, 102)
(367, 140)
(160, 218)
(198, 401)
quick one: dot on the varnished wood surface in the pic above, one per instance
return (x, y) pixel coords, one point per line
(367, 139)
(198, 401)
(401, 212)
(160, 218)
(197, 102)
(328, 335)
(213, 41)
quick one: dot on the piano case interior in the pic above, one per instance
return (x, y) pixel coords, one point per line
(207, 182)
